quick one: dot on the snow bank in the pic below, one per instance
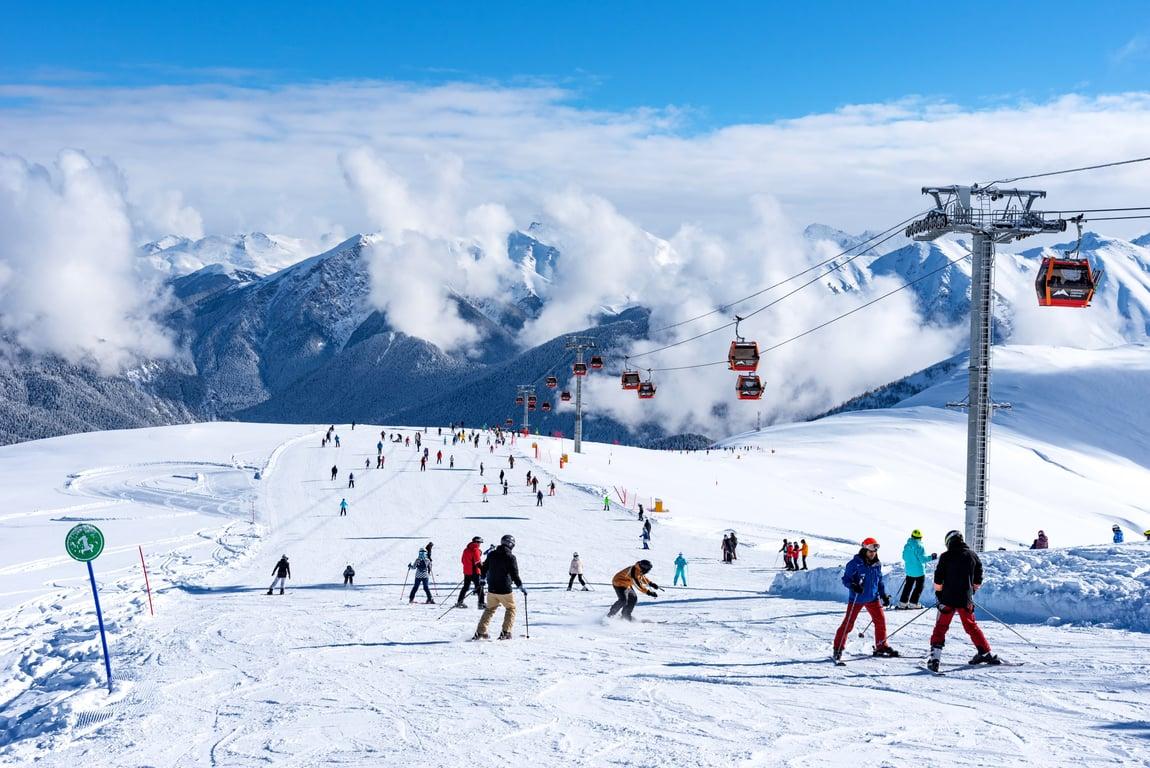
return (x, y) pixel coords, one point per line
(1099, 585)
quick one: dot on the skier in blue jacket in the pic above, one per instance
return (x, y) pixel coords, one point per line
(914, 560)
(1118, 538)
(680, 569)
(863, 577)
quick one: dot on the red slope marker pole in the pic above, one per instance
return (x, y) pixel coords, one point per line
(147, 585)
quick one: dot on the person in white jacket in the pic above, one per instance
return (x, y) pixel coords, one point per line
(576, 571)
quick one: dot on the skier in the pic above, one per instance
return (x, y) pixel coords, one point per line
(439, 457)
(529, 477)
(647, 525)
(353, 426)
(422, 568)
(379, 447)
(606, 503)
(804, 550)
(914, 562)
(337, 441)
(1146, 533)
(343, 508)
(500, 569)
(511, 462)
(430, 544)
(367, 463)
(350, 479)
(501, 476)
(282, 572)
(956, 578)
(735, 549)
(726, 548)
(451, 463)
(551, 489)
(379, 461)
(348, 575)
(504, 487)
(680, 569)
(535, 483)
(625, 582)
(422, 463)
(863, 577)
(1041, 542)
(786, 550)
(539, 498)
(334, 472)
(646, 537)
(481, 469)
(485, 493)
(575, 570)
(472, 572)
(1118, 538)
(640, 511)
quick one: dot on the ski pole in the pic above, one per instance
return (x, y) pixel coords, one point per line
(1003, 623)
(453, 606)
(526, 616)
(431, 570)
(914, 619)
(457, 586)
(403, 589)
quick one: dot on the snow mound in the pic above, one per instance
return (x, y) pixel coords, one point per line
(1097, 585)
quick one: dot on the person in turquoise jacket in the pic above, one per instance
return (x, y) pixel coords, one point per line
(680, 569)
(914, 560)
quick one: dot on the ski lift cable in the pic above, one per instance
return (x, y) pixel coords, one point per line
(822, 325)
(728, 305)
(812, 281)
(1069, 170)
(1116, 218)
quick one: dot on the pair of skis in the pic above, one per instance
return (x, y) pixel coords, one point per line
(841, 663)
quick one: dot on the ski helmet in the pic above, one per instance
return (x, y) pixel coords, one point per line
(423, 553)
(916, 534)
(645, 566)
(870, 543)
(476, 540)
(953, 535)
(574, 554)
(508, 541)
(1115, 527)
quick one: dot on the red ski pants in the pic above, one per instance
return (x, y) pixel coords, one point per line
(874, 608)
(945, 614)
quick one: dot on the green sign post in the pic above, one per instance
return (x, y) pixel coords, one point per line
(85, 543)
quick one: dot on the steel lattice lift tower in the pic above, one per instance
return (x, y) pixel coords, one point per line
(990, 215)
(525, 391)
(579, 344)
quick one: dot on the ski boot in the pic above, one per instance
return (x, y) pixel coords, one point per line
(902, 607)
(837, 655)
(269, 591)
(568, 589)
(932, 664)
(916, 606)
(482, 606)
(281, 590)
(935, 658)
(481, 636)
(886, 651)
(461, 605)
(504, 635)
(985, 658)
(429, 602)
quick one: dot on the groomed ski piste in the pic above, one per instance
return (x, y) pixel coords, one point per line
(730, 670)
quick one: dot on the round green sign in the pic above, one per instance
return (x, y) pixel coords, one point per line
(84, 542)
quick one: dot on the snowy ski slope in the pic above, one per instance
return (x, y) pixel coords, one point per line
(718, 673)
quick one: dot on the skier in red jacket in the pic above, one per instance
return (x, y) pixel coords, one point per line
(472, 572)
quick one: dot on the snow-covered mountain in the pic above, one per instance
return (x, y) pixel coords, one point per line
(254, 253)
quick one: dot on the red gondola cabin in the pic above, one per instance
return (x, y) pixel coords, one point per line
(749, 387)
(579, 369)
(630, 379)
(744, 356)
(646, 390)
(1065, 283)
(596, 362)
(552, 382)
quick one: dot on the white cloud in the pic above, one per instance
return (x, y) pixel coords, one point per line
(68, 267)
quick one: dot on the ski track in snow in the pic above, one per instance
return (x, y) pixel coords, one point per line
(716, 674)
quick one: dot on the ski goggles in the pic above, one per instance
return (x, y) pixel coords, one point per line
(871, 547)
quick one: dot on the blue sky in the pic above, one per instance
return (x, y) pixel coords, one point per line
(725, 62)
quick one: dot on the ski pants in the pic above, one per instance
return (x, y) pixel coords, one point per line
(571, 581)
(347, 580)
(281, 580)
(646, 543)
(787, 560)
(804, 562)
(343, 511)
(494, 601)
(474, 580)
(680, 573)
(912, 590)
(942, 623)
(626, 600)
(415, 587)
(539, 501)
(874, 608)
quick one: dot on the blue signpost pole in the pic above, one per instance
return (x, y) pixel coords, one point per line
(100, 619)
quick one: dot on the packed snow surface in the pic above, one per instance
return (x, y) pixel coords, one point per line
(719, 672)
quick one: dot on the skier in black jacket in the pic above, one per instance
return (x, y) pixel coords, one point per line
(501, 569)
(282, 572)
(956, 578)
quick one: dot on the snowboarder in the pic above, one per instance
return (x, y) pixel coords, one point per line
(804, 550)
(1041, 542)
(282, 572)
(348, 575)
(539, 498)
(646, 537)
(680, 569)
(956, 578)
(485, 493)
(472, 560)
(350, 479)
(422, 568)
(914, 562)
(863, 577)
(500, 569)
(726, 548)
(735, 548)
(606, 503)
(626, 582)
(575, 570)
(343, 508)
(334, 472)
(786, 550)
(1118, 538)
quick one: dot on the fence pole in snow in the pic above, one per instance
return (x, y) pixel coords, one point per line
(147, 584)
